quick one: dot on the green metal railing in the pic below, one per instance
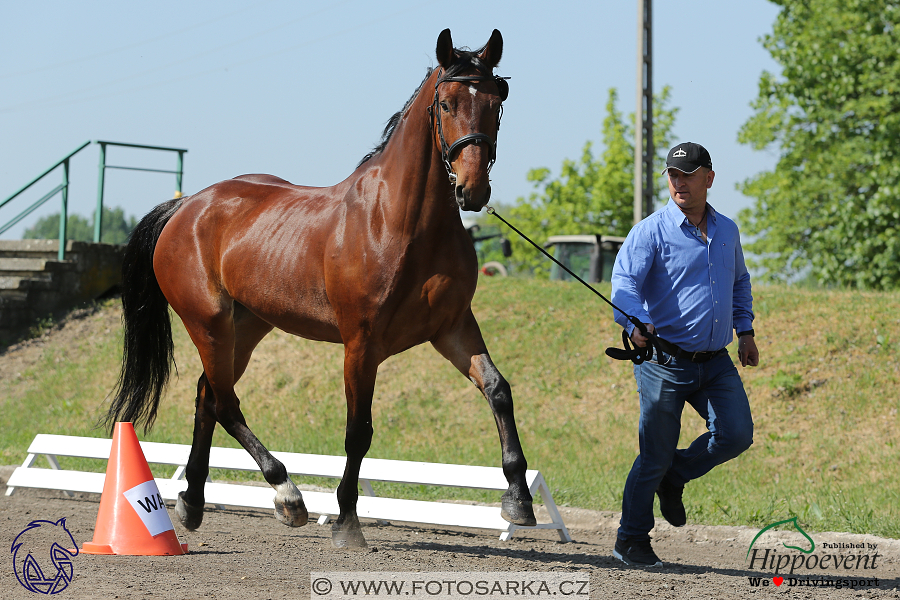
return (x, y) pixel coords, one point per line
(179, 173)
(63, 188)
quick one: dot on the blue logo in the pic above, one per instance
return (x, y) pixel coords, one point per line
(42, 556)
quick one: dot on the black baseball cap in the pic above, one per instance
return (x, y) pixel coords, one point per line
(687, 158)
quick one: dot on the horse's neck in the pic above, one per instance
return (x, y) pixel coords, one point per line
(421, 195)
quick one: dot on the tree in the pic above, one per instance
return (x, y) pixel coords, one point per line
(591, 195)
(116, 227)
(832, 204)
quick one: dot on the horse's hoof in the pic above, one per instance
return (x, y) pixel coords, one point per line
(292, 513)
(190, 516)
(347, 534)
(348, 539)
(518, 512)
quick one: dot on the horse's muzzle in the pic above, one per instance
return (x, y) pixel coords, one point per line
(474, 202)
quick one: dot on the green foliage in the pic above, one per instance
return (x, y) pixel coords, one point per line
(116, 227)
(590, 195)
(835, 116)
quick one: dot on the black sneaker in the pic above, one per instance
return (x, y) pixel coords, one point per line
(636, 553)
(670, 503)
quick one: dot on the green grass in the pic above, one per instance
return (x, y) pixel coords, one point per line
(825, 401)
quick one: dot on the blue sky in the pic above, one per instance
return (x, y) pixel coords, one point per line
(302, 90)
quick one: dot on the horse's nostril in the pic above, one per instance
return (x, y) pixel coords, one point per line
(460, 195)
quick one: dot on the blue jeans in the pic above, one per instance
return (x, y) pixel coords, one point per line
(716, 392)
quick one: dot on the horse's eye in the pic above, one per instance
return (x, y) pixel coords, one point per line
(445, 108)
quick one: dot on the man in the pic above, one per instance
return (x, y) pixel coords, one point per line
(681, 272)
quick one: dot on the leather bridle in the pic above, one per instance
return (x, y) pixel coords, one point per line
(434, 111)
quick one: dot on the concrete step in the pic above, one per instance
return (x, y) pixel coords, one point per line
(13, 299)
(29, 249)
(24, 267)
(44, 249)
(42, 281)
(34, 284)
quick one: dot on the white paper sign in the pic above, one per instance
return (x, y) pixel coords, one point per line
(147, 502)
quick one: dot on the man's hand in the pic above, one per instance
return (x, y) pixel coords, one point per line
(638, 338)
(747, 351)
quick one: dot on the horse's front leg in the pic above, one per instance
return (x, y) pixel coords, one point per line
(359, 385)
(464, 346)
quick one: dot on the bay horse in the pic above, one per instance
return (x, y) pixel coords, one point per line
(379, 263)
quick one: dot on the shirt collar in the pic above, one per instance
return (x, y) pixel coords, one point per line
(678, 219)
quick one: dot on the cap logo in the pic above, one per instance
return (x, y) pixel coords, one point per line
(679, 153)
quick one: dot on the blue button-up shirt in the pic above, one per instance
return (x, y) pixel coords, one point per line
(692, 291)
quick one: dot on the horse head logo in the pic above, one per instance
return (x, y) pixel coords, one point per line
(35, 570)
(793, 521)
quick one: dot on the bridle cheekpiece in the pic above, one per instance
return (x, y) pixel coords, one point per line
(447, 150)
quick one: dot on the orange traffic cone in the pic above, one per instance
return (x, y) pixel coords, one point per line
(132, 518)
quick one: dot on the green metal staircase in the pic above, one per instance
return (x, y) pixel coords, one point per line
(41, 278)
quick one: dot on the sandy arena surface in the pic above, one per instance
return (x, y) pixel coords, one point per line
(247, 554)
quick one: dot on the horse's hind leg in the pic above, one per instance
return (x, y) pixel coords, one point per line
(249, 330)
(464, 347)
(189, 506)
(225, 343)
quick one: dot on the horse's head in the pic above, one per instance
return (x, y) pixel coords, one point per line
(466, 113)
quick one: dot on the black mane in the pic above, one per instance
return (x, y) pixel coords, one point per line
(465, 59)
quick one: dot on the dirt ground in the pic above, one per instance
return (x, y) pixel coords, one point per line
(246, 554)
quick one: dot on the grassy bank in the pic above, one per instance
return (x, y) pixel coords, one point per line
(825, 401)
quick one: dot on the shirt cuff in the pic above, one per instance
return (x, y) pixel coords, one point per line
(742, 325)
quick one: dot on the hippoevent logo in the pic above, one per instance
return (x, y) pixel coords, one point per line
(801, 566)
(42, 556)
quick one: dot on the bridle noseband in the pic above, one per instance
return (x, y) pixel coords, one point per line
(471, 138)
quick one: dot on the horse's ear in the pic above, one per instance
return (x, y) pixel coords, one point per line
(444, 50)
(492, 52)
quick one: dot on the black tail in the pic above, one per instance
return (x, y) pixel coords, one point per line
(147, 356)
